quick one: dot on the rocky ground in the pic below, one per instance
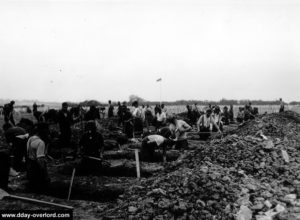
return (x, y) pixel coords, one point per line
(252, 172)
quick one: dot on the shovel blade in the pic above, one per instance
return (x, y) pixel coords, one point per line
(3, 194)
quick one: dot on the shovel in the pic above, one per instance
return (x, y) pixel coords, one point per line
(5, 194)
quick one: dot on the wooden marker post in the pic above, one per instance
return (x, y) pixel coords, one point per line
(137, 161)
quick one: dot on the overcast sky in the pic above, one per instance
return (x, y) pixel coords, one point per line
(206, 50)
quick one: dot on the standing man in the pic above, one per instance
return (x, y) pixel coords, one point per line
(217, 116)
(148, 115)
(240, 115)
(247, 113)
(231, 114)
(91, 145)
(119, 113)
(225, 116)
(123, 111)
(64, 121)
(37, 173)
(161, 118)
(128, 125)
(156, 109)
(205, 125)
(92, 114)
(34, 107)
(8, 111)
(281, 109)
(143, 109)
(110, 109)
(137, 116)
(178, 129)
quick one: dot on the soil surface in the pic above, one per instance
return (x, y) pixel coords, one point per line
(251, 172)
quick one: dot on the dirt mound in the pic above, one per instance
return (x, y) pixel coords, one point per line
(206, 191)
(255, 170)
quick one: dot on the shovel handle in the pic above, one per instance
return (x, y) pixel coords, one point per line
(95, 158)
(41, 202)
(71, 184)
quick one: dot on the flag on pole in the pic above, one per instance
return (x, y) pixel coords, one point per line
(158, 80)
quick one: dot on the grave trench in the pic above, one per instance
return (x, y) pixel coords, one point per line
(117, 164)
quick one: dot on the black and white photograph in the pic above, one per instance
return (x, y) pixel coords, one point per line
(150, 109)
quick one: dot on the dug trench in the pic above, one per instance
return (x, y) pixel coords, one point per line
(108, 180)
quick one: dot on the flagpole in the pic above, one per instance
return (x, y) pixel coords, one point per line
(160, 89)
(160, 92)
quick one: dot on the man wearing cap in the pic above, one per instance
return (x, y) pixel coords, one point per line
(151, 142)
(8, 112)
(205, 125)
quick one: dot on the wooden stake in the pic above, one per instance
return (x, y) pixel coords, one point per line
(137, 161)
(71, 184)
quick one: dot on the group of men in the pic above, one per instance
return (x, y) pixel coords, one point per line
(28, 142)
(133, 121)
(28, 146)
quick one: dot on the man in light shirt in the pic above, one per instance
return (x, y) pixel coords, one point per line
(152, 142)
(217, 118)
(137, 118)
(178, 129)
(205, 125)
(161, 118)
(37, 173)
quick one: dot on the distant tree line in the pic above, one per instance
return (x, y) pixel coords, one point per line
(221, 102)
(184, 102)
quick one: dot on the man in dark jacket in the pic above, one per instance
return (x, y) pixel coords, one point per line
(64, 121)
(110, 110)
(91, 146)
(92, 114)
(8, 112)
(16, 137)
